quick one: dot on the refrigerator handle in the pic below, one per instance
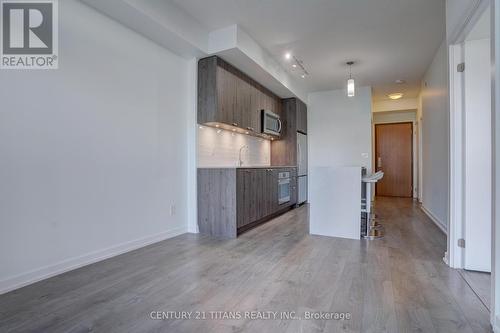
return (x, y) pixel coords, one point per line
(299, 158)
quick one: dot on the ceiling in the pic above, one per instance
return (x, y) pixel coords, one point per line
(388, 39)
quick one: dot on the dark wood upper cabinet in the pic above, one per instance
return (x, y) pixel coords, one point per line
(227, 95)
(226, 110)
(294, 119)
(301, 116)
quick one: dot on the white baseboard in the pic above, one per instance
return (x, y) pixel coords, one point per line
(446, 259)
(87, 259)
(434, 219)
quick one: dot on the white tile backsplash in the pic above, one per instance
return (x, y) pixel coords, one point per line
(222, 149)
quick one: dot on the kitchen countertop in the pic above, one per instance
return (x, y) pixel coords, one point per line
(251, 167)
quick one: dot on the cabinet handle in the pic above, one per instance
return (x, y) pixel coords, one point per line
(235, 124)
(251, 129)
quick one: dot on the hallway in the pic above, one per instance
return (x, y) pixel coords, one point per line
(397, 284)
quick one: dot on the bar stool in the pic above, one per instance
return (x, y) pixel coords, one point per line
(374, 230)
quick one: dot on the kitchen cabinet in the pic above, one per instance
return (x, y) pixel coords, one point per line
(257, 195)
(251, 189)
(294, 119)
(301, 116)
(271, 196)
(231, 200)
(228, 96)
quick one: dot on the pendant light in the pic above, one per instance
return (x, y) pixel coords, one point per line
(350, 81)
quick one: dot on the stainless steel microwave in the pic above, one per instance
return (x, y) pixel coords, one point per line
(271, 123)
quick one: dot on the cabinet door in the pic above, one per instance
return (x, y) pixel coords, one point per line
(255, 117)
(226, 97)
(252, 195)
(272, 185)
(243, 185)
(301, 117)
(261, 193)
(270, 103)
(243, 104)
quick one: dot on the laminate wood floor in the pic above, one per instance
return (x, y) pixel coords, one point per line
(397, 284)
(481, 284)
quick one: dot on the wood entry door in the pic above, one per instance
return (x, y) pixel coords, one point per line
(394, 156)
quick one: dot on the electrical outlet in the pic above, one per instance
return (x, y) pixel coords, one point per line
(172, 210)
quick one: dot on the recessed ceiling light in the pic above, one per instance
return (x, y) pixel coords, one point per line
(395, 95)
(201, 127)
(400, 81)
(294, 66)
(303, 76)
(288, 56)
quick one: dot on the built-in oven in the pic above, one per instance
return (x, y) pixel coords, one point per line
(284, 186)
(271, 123)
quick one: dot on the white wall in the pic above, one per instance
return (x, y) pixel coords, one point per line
(220, 148)
(395, 105)
(495, 277)
(477, 155)
(394, 117)
(339, 140)
(459, 13)
(339, 128)
(435, 139)
(93, 154)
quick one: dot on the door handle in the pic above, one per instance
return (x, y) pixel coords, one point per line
(379, 162)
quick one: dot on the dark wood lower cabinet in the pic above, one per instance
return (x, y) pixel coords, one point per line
(231, 201)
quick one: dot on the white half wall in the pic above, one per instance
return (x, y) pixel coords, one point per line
(93, 154)
(335, 202)
(435, 139)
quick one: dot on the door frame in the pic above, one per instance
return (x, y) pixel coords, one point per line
(413, 160)
(454, 256)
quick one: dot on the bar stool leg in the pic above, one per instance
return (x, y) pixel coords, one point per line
(374, 230)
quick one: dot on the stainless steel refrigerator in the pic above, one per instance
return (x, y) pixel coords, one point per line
(301, 168)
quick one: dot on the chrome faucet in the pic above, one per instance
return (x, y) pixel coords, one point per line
(241, 149)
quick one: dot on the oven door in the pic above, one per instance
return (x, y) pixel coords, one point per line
(283, 191)
(271, 123)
